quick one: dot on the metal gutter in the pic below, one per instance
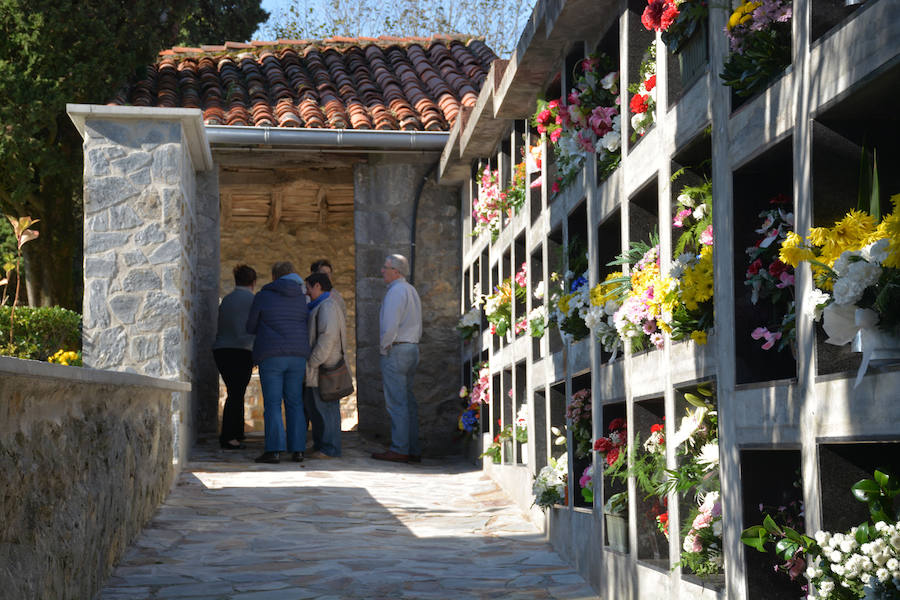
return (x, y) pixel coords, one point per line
(417, 141)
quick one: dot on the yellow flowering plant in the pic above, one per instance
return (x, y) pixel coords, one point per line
(66, 357)
(856, 270)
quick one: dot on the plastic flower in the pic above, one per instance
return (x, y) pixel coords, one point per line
(659, 15)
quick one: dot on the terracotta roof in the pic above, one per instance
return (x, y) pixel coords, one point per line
(339, 83)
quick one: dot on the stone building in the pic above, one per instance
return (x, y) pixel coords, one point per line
(263, 152)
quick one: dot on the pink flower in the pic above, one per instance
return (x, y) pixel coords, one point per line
(544, 116)
(586, 144)
(702, 520)
(680, 217)
(589, 64)
(601, 119)
(573, 98)
(555, 134)
(706, 238)
(787, 280)
(770, 337)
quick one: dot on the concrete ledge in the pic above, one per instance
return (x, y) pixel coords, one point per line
(191, 120)
(35, 368)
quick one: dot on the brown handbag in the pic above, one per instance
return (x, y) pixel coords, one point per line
(335, 382)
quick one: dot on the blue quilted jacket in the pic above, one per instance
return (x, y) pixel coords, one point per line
(278, 318)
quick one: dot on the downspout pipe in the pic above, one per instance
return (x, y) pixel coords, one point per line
(415, 215)
(414, 141)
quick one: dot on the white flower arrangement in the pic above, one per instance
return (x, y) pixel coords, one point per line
(550, 483)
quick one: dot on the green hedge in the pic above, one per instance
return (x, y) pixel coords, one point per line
(38, 332)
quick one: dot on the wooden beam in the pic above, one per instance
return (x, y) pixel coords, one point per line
(225, 209)
(322, 204)
(275, 209)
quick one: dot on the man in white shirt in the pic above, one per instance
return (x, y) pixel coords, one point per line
(401, 329)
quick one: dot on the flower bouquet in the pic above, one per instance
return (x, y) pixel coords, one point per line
(498, 306)
(856, 269)
(579, 415)
(468, 421)
(605, 300)
(642, 316)
(550, 483)
(469, 323)
(613, 447)
(643, 102)
(588, 123)
(487, 207)
(771, 279)
(569, 309)
(861, 563)
(677, 20)
(586, 484)
(759, 34)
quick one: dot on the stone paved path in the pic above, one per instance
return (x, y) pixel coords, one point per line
(352, 528)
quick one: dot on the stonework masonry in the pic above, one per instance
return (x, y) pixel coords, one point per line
(385, 189)
(150, 209)
(86, 456)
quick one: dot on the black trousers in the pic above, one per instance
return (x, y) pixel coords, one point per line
(235, 366)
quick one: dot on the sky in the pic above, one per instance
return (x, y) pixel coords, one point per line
(273, 7)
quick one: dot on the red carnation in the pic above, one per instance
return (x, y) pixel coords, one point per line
(659, 14)
(754, 267)
(617, 424)
(777, 268)
(656, 427)
(639, 103)
(603, 445)
(650, 83)
(612, 456)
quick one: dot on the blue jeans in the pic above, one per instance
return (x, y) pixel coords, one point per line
(397, 370)
(325, 418)
(281, 377)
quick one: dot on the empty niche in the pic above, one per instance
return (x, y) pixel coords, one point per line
(843, 464)
(857, 134)
(652, 509)
(612, 459)
(771, 485)
(763, 209)
(609, 246)
(538, 436)
(639, 40)
(522, 432)
(557, 406)
(556, 267)
(579, 412)
(496, 407)
(827, 14)
(537, 287)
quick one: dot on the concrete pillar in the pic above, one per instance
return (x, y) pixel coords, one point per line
(150, 246)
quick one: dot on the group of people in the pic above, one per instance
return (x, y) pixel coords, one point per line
(290, 329)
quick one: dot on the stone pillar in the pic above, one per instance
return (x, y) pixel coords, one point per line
(385, 190)
(150, 245)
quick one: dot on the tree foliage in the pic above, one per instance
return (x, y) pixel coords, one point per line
(498, 21)
(54, 52)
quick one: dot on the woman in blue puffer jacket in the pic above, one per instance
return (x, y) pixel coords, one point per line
(278, 319)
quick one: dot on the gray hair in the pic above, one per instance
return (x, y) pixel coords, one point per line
(399, 262)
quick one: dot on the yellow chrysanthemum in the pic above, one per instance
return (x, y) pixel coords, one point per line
(793, 252)
(817, 236)
(604, 292)
(891, 228)
(697, 281)
(564, 303)
(850, 233)
(699, 337)
(742, 14)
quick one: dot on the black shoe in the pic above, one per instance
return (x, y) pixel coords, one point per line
(268, 457)
(297, 457)
(230, 446)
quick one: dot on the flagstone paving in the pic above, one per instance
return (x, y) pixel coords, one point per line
(351, 528)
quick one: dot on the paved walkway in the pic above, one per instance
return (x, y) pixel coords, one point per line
(352, 528)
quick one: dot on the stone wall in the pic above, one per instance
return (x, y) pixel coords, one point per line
(85, 458)
(150, 211)
(385, 190)
(254, 244)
